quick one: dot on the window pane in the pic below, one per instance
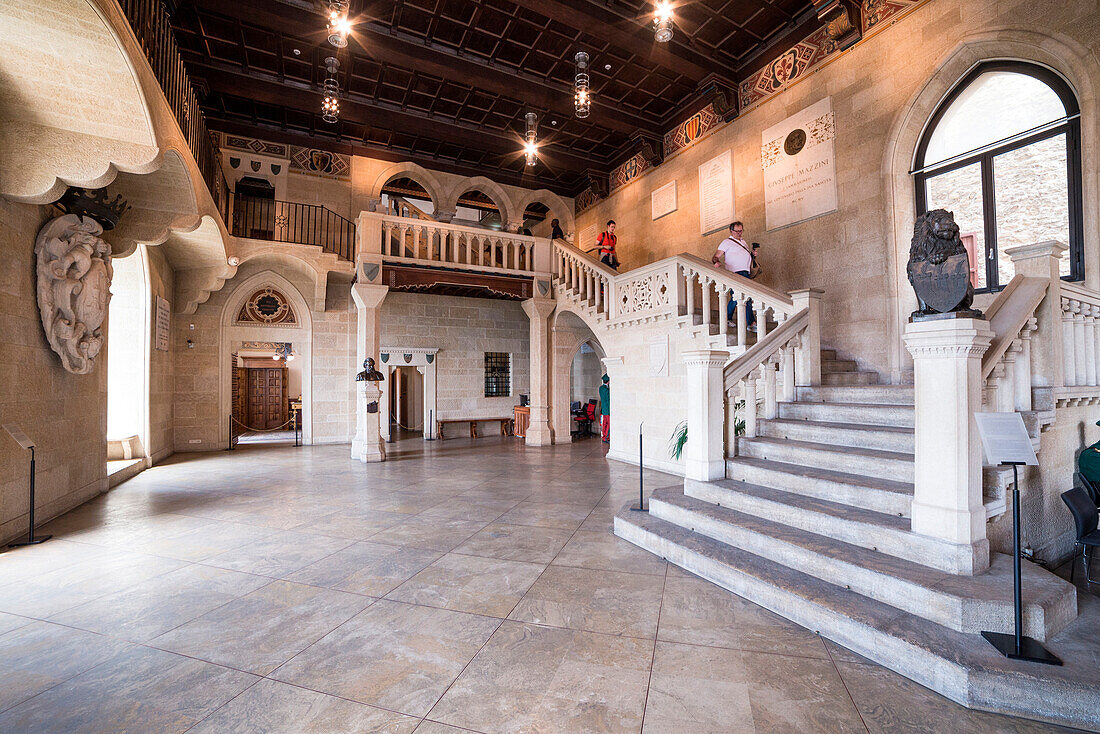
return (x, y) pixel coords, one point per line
(960, 191)
(996, 105)
(1032, 194)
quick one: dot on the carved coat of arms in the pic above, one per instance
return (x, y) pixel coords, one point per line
(74, 282)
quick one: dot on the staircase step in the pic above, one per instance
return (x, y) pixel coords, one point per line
(876, 414)
(878, 495)
(960, 666)
(876, 394)
(851, 459)
(849, 378)
(838, 365)
(967, 604)
(876, 531)
(887, 438)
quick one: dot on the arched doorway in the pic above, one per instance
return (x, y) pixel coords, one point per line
(475, 208)
(575, 371)
(585, 377)
(128, 328)
(405, 197)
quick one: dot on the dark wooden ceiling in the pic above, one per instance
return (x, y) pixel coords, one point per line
(447, 82)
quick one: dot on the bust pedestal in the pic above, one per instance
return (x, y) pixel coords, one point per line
(368, 446)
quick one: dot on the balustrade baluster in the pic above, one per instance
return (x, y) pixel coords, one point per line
(742, 327)
(1088, 315)
(705, 294)
(723, 307)
(788, 393)
(1079, 354)
(761, 321)
(690, 278)
(1068, 370)
(1023, 368)
(748, 391)
(771, 406)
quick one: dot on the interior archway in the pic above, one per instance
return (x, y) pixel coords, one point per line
(128, 362)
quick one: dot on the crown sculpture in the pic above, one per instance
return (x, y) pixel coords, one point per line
(74, 275)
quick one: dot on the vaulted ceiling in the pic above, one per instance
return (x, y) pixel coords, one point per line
(446, 83)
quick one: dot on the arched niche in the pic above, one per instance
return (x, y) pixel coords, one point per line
(487, 191)
(425, 178)
(556, 206)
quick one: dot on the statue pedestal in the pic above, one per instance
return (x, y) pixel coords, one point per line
(367, 445)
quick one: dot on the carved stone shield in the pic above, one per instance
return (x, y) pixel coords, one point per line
(942, 287)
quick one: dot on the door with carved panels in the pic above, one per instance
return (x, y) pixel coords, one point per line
(267, 403)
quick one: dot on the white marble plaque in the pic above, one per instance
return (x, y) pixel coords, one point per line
(162, 329)
(1005, 440)
(663, 200)
(799, 163)
(716, 193)
(586, 240)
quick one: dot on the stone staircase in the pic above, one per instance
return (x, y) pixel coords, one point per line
(812, 522)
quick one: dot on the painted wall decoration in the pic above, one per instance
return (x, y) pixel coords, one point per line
(269, 307)
(877, 11)
(316, 162)
(799, 164)
(584, 200)
(236, 142)
(691, 130)
(629, 171)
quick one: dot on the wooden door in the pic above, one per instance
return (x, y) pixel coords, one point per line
(238, 411)
(267, 399)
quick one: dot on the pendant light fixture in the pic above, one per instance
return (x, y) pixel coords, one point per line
(530, 147)
(662, 21)
(338, 25)
(330, 107)
(582, 100)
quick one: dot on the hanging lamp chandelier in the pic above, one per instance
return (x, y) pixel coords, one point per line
(530, 147)
(662, 21)
(330, 106)
(582, 99)
(338, 24)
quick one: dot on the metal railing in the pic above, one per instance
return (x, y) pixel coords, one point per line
(151, 25)
(288, 221)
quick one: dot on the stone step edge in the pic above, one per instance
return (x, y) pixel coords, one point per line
(950, 678)
(859, 481)
(848, 564)
(855, 451)
(889, 534)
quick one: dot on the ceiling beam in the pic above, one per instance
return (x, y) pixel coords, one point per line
(376, 41)
(624, 31)
(347, 147)
(267, 89)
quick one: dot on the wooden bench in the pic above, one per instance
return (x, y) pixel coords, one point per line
(505, 425)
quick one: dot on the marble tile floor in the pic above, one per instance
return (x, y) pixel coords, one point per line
(462, 586)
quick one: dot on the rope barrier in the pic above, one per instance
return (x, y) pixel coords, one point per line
(261, 430)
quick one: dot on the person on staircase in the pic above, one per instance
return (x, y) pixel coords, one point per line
(606, 241)
(735, 255)
(605, 410)
(556, 232)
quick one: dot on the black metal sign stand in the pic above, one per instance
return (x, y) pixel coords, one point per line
(641, 475)
(1016, 646)
(31, 540)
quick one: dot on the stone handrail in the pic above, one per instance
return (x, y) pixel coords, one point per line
(1007, 363)
(584, 277)
(404, 240)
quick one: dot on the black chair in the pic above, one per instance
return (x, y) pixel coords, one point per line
(1088, 537)
(1090, 488)
(584, 416)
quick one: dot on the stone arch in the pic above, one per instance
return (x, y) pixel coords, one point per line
(421, 175)
(53, 137)
(300, 334)
(557, 206)
(490, 188)
(569, 331)
(1055, 51)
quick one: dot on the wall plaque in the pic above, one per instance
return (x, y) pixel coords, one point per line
(716, 193)
(162, 327)
(797, 156)
(663, 200)
(586, 240)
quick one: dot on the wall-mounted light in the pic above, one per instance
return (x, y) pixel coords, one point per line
(530, 147)
(233, 261)
(582, 97)
(662, 21)
(330, 105)
(338, 24)
(190, 344)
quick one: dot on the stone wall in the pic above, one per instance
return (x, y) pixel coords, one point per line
(64, 414)
(851, 253)
(160, 362)
(463, 329)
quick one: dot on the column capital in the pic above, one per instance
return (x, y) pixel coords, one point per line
(808, 294)
(705, 358)
(539, 307)
(1040, 259)
(948, 338)
(366, 295)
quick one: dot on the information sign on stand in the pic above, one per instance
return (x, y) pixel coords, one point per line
(1006, 443)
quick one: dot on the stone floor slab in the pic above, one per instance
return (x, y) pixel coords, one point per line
(488, 586)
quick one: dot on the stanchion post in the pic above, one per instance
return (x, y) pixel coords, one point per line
(1016, 646)
(641, 475)
(31, 540)
(429, 430)
(295, 416)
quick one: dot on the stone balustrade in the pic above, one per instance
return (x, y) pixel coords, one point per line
(1080, 335)
(584, 277)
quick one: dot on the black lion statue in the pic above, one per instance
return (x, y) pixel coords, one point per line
(935, 239)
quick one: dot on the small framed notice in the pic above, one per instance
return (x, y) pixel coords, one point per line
(663, 200)
(586, 240)
(716, 193)
(1005, 439)
(162, 326)
(20, 438)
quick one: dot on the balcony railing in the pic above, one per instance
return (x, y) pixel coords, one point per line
(151, 25)
(288, 221)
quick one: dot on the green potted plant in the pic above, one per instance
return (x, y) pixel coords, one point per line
(680, 433)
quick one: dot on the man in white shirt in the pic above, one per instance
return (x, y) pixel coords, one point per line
(735, 255)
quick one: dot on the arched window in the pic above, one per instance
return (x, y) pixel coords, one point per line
(1003, 153)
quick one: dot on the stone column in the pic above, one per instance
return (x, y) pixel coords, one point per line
(368, 304)
(808, 356)
(430, 412)
(704, 452)
(947, 501)
(538, 310)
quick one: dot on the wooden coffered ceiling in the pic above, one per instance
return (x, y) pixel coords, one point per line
(446, 83)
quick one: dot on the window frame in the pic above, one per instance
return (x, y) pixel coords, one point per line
(504, 374)
(1070, 127)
